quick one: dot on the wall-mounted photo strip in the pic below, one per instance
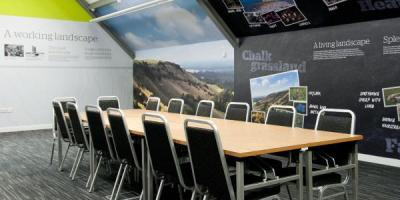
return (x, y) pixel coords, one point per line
(299, 121)
(391, 96)
(298, 94)
(233, 5)
(271, 18)
(253, 18)
(301, 108)
(258, 117)
(265, 6)
(272, 89)
(13, 50)
(291, 16)
(330, 3)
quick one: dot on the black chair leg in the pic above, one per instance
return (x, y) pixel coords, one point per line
(52, 151)
(160, 188)
(288, 191)
(65, 156)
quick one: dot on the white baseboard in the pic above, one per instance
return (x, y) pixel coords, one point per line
(25, 128)
(379, 160)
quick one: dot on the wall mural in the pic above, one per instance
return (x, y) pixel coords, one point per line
(179, 54)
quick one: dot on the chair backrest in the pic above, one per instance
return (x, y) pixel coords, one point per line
(334, 121)
(176, 106)
(61, 122)
(122, 138)
(153, 103)
(105, 102)
(98, 134)
(237, 111)
(63, 101)
(205, 108)
(281, 115)
(258, 117)
(164, 159)
(207, 158)
(76, 123)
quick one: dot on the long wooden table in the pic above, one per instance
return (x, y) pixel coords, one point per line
(243, 140)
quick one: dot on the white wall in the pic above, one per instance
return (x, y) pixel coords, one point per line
(28, 85)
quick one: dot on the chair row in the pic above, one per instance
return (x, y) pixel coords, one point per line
(117, 145)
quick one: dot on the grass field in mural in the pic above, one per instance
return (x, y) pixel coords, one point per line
(175, 73)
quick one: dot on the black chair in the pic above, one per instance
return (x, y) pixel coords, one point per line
(80, 135)
(105, 102)
(209, 166)
(63, 130)
(100, 139)
(333, 120)
(176, 106)
(63, 101)
(237, 111)
(205, 108)
(163, 156)
(153, 103)
(125, 151)
(258, 117)
(281, 115)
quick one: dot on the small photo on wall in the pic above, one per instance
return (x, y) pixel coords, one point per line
(258, 117)
(299, 121)
(253, 18)
(391, 96)
(271, 18)
(13, 50)
(301, 108)
(233, 4)
(333, 2)
(291, 16)
(298, 94)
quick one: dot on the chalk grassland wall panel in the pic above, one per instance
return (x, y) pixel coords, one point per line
(344, 66)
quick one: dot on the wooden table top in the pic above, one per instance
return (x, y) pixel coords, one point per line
(241, 139)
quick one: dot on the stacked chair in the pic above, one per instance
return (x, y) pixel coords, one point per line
(63, 101)
(153, 103)
(209, 166)
(163, 156)
(80, 135)
(237, 111)
(63, 129)
(105, 102)
(176, 106)
(126, 154)
(205, 108)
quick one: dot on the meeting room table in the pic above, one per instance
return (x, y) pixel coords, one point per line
(243, 140)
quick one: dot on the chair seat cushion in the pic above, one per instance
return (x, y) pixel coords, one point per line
(257, 193)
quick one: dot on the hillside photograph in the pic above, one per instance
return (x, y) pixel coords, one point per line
(272, 89)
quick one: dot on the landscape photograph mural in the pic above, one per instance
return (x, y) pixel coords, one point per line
(179, 53)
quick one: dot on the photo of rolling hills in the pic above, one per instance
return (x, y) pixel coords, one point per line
(169, 80)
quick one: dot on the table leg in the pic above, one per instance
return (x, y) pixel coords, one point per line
(354, 158)
(299, 170)
(144, 170)
(309, 176)
(240, 180)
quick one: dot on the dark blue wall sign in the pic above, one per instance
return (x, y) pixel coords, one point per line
(354, 66)
(257, 17)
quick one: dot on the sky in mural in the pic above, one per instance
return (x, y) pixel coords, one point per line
(176, 23)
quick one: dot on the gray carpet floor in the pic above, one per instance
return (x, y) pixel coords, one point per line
(25, 173)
